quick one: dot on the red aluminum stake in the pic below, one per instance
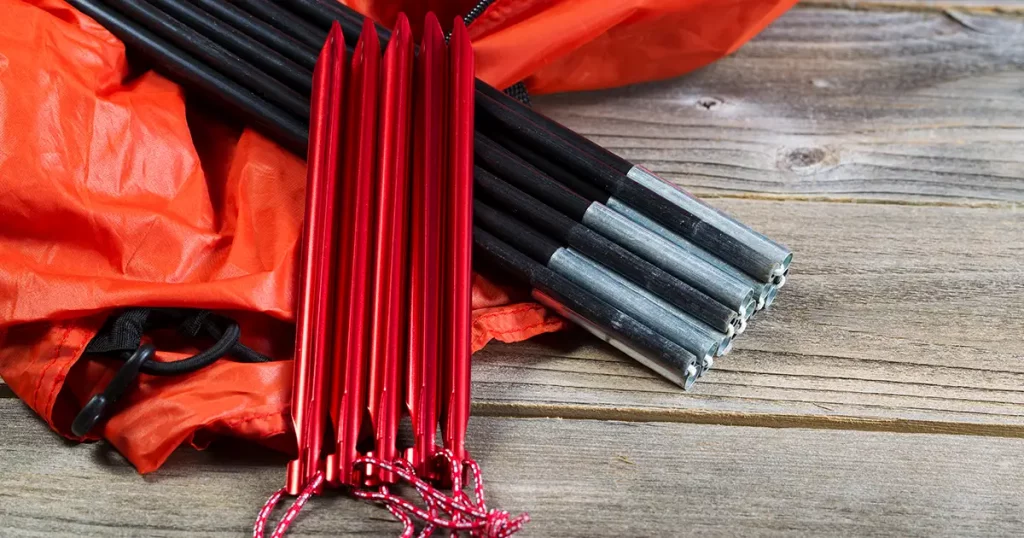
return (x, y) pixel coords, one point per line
(318, 412)
(308, 403)
(307, 271)
(459, 243)
(424, 285)
(390, 267)
(351, 345)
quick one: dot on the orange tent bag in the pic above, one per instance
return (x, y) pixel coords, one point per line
(116, 191)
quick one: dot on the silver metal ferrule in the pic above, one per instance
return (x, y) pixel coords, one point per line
(759, 289)
(677, 261)
(683, 379)
(604, 284)
(724, 340)
(780, 255)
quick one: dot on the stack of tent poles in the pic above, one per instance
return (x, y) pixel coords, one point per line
(606, 243)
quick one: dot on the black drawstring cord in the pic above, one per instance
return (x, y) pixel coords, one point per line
(121, 337)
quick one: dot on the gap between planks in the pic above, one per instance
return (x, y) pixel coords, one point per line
(759, 420)
(701, 416)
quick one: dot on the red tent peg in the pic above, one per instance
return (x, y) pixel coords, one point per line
(427, 220)
(355, 259)
(389, 248)
(459, 236)
(390, 266)
(312, 314)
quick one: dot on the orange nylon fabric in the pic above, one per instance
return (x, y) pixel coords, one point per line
(568, 45)
(115, 191)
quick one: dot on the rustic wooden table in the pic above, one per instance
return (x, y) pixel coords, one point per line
(883, 141)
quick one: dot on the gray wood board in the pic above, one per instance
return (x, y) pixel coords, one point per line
(576, 478)
(897, 317)
(893, 314)
(837, 103)
(983, 6)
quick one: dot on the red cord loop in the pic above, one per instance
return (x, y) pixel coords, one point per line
(463, 513)
(293, 511)
(456, 512)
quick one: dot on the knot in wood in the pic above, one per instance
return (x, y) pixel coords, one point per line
(805, 157)
(807, 160)
(709, 103)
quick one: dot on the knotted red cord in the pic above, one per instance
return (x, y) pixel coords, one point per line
(464, 514)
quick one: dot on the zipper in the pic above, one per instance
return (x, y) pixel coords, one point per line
(518, 90)
(477, 10)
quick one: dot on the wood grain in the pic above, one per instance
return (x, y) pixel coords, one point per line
(983, 6)
(901, 316)
(835, 103)
(575, 478)
(897, 317)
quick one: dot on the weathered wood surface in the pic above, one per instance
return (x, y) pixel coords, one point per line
(983, 6)
(901, 315)
(894, 313)
(886, 147)
(576, 478)
(829, 102)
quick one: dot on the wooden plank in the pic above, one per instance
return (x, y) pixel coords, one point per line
(575, 478)
(896, 317)
(834, 103)
(901, 318)
(983, 6)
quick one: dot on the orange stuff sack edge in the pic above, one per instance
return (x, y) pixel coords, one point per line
(115, 192)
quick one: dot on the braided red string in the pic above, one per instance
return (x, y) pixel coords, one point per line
(455, 472)
(408, 527)
(463, 514)
(293, 511)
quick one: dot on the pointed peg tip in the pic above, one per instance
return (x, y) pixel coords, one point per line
(368, 36)
(401, 35)
(402, 24)
(335, 31)
(459, 31)
(336, 38)
(368, 26)
(431, 19)
(432, 31)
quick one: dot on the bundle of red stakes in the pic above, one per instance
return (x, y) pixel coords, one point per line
(384, 311)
